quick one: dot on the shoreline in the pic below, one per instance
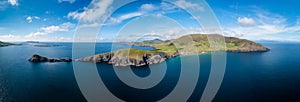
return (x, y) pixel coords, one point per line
(108, 61)
(163, 50)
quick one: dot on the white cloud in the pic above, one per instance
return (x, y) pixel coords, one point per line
(272, 29)
(97, 11)
(265, 17)
(89, 25)
(143, 10)
(13, 2)
(147, 7)
(125, 16)
(130, 15)
(260, 24)
(9, 36)
(30, 18)
(52, 29)
(167, 6)
(232, 33)
(70, 1)
(39, 35)
(189, 5)
(65, 27)
(35, 34)
(246, 22)
(61, 27)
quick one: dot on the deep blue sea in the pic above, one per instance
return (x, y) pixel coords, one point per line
(272, 76)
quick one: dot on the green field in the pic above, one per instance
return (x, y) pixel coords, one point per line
(190, 44)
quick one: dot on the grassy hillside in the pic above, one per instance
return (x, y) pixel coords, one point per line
(197, 43)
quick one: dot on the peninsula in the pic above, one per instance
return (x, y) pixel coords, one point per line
(171, 48)
(3, 44)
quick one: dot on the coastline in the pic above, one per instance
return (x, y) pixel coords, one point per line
(109, 57)
(163, 50)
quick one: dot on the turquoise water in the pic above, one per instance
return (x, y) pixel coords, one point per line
(260, 77)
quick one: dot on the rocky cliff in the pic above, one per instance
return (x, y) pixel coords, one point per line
(128, 57)
(37, 58)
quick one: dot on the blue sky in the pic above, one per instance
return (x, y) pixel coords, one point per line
(57, 20)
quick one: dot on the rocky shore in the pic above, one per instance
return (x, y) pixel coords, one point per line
(117, 59)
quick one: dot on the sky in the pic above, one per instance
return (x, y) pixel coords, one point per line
(58, 20)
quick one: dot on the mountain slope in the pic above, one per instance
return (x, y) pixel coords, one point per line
(197, 43)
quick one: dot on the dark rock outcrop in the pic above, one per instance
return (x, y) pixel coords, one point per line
(37, 59)
(110, 58)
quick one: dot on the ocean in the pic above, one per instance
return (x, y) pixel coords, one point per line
(272, 76)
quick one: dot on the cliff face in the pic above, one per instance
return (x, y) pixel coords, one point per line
(128, 57)
(243, 45)
(189, 44)
(251, 47)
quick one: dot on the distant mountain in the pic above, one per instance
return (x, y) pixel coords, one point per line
(155, 41)
(188, 44)
(2, 44)
(32, 42)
